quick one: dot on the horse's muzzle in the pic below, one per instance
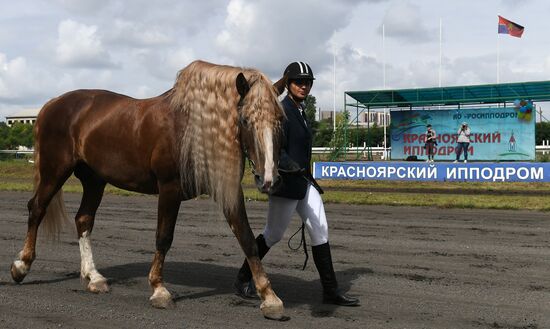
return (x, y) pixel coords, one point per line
(267, 186)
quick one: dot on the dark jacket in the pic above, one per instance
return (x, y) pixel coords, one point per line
(296, 147)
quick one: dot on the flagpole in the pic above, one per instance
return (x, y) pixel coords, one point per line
(383, 57)
(440, 50)
(384, 84)
(498, 58)
(334, 89)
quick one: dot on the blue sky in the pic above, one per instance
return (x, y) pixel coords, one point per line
(137, 47)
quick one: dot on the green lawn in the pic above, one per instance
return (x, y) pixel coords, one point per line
(16, 175)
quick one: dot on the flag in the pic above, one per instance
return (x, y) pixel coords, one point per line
(508, 27)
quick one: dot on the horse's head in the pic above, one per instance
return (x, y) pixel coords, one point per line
(260, 121)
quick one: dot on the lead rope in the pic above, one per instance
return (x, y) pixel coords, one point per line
(302, 242)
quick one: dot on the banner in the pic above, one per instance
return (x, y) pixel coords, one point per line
(497, 134)
(443, 172)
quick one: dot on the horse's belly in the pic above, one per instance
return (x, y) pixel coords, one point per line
(131, 179)
(143, 187)
(124, 171)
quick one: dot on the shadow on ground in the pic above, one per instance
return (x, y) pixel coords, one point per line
(218, 280)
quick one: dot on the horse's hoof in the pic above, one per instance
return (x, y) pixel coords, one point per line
(18, 271)
(99, 286)
(162, 299)
(274, 310)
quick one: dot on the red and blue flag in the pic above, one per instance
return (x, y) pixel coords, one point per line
(508, 27)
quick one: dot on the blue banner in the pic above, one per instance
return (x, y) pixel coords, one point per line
(445, 171)
(497, 134)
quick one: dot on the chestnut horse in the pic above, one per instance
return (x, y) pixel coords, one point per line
(189, 141)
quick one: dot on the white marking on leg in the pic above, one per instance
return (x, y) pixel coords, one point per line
(20, 265)
(161, 298)
(268, 164)
(87, 266)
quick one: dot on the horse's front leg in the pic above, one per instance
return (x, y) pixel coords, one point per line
(168, 207)
(271, 307)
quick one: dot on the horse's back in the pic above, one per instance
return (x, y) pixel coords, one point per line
(115, 135)
(60, 112)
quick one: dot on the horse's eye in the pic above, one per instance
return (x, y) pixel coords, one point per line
(244, 122)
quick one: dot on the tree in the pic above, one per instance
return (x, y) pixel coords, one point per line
(341, 136)
(311, 110)
(542, 132)
(324, 134)
(4, 134)
(373, 136)
(19, 134)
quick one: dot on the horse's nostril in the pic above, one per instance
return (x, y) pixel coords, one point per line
(259, 181)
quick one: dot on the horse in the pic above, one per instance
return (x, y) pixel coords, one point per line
(193, 139)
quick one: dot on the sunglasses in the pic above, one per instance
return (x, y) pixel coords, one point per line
(302, 82)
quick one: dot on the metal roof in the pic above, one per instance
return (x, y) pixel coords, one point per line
(26, 113)
(537, 91)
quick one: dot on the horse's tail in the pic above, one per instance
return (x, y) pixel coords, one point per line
(56, 213)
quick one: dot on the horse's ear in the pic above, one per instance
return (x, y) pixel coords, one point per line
(280, 85)
(242, 85)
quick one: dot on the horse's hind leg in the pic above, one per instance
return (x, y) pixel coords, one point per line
(272, 306)
(168, 207)
(93, 187)
(48, 186)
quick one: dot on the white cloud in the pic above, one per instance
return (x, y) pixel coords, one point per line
(85, 7)
(136, 34)
(165, 65)
(270, 34)
(403, 20)
(14, 75)
(22, 85)
(79, 45)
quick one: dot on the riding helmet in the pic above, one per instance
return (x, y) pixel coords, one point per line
(298, 70)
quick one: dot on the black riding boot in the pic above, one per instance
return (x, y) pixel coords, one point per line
(331, 294)
(244, 285)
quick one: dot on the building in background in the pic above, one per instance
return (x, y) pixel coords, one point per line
(363, 120)
(373, 117)
(23, 116)
(325, 115)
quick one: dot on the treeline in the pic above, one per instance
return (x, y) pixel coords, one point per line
(20, 134)
(323, 131)
(542, 132)
(374, 136)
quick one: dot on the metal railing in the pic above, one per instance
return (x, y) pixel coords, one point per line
(376, 150)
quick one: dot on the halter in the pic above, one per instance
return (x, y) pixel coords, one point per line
(243, 122)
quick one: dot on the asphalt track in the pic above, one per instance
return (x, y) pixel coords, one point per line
(411, 267)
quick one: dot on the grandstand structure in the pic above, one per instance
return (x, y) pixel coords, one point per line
(456, 97)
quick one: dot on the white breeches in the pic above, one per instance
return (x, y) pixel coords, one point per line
(310, 209)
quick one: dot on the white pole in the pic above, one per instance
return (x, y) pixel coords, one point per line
(440, 50)
(498, 58)
(383, 56)
(334, 89)
(384, 84)
(385, 124)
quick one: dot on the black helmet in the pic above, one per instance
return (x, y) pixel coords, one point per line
(298, 70)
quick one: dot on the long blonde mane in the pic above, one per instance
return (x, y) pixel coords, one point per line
(210, 151)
